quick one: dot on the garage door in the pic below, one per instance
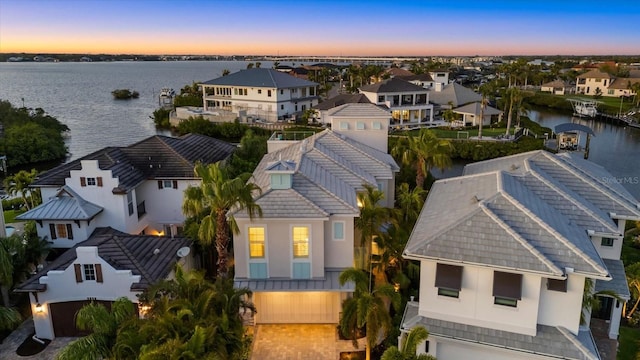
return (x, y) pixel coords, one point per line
(63, 316)
(297, 307)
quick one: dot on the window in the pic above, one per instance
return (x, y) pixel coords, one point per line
(344, 125)
(91, 181)
(269, 93)
(167, 184)
(448, 280)
(557, 285)
(338, 230)
(507, 288)
(610, 92)
(256, 243)
(359, 125)
(130, 202)
(281, 107)
(62, 231)
(376, 125)
(89, 272)
(259, 91)
(606, 242)
(300, 242)
(281, 92)
(380, 98)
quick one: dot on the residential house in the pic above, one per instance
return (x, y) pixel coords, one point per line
(452, 96)
(136, 189)
(622, 87)
(592, 82)
(471, 114)
(557, 87)
(264, 94)
(506, 251)
(109, 265)
(425, 80)
(408, 103)
(341, 99)
(292, 256)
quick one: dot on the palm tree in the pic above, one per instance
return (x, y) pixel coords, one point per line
(410, 202)
(19, 184)
(514, 96)
(10, 250)
(372, 217)
(367, 309)
(633, 278)
(215, 196)
(485, 90)
(103, 325)
(591, 299)
(410, 343)
(425, 152)
(635, 87)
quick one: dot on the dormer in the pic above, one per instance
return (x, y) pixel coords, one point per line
(280, 173)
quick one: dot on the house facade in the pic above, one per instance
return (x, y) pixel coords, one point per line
(136, 189)
(557, 87)
(262, 94)
(525, 238)
(107, 266)
(291, 258)
(408, 102)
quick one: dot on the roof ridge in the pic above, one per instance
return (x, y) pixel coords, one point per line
(573, 339)
(550, 229)
(173, 150)
(134, 260)
(358, 149)
(275, 84)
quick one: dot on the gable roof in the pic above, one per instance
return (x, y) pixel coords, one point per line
(261, 77)
(329, 170)
(392, 85)
(623, 83)
(65, 205)
(359, 110)
(123, 252)
(455, 93)
(555, 84)
(595, 74)
(155, 157)
(341, 100)
(396, 72)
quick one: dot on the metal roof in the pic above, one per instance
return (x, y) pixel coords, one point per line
(259, 77)
(330, 282)
(65, 205)
(561, 128)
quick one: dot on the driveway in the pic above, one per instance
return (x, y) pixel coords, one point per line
(12, 342)
(297, 341)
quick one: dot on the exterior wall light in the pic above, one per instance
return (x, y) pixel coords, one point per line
(39, 308)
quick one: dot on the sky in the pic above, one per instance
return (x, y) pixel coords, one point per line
(314, 27)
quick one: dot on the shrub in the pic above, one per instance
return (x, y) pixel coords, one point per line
(124, 94)
(161, 118)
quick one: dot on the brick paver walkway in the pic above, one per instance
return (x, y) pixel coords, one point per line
(294, 342)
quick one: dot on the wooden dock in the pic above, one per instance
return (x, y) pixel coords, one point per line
(620, 120)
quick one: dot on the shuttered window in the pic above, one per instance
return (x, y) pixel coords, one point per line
(99, 179)
(557, 285)
(52, 231)
(448, 280)
(507, 288)
(83, 181)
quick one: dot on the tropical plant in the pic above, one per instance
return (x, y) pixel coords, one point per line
(410, 342)
(635, 87)
(124, 94)
(372, 217)
(215, 196)
(103, 325)
(19, 184)
(9, 318)
(425, 152)
(367, 309)
(513, 94)
(226, 72)
(410, 202)
(591, 299)
(633, 279)
(10, 249)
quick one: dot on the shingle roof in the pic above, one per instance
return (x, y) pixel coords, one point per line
(623, 83)
(155, 157)
(330, 282)
(261, 77)
(391, 86)
(595, 74)
(123, 252)
(65, 205)
(329, 170)
(549, 341)
(341, 100)
(418, 77)
(455, 93)
(556, 84)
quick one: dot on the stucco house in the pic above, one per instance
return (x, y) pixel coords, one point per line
(109, 265)
(408, 103)
(588, 82)
(557, 87)
(471, 114)
(327, 105)
(262, 94)
(291, 257)
(506, 251)
(136, 189)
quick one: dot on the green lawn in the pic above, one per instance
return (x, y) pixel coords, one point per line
(10, 215)
(446, 133)
(628, 347)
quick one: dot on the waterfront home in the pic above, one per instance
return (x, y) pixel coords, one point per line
(407, 102)
(322, 108)
(136, 189)
(259, 94)
(292, 256)
(557, 87)
(593, 81)
(509, 250)
(452, 95)
(108, 265)
(622, 87)
(471, 114)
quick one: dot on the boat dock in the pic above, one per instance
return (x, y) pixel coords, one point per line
(624, 120)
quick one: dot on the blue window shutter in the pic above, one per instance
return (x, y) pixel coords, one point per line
(301, 271)
(338, 230)
(258, 270)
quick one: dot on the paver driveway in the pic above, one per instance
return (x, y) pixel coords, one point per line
(294, 342)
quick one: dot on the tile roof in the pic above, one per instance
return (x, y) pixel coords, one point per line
(623, 83)
(556, 84)
(417, 77)
(155, 157)
(65, 205)
(455, 93)
(329, 170)
(123, 252)
(595, 74)
(330, 282)
(341, 100)
(359, 110)
(475, 108)
(549, 341)
(391, 86)
(618, 283)
(261, 77)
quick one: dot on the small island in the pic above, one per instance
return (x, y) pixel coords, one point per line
(124, 94)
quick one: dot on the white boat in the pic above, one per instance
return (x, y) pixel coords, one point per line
(584, 108)
(167, 92)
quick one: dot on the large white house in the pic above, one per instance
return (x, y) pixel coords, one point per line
(291, 257)
(136, 189)
(506, 251)
(594, 81)
(408, 102)
(263, 94)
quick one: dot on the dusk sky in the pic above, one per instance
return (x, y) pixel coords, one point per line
(244, 27)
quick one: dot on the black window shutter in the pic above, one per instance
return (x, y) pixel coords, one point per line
(159, 184)
(175, 184)
(69, 232)
(52, 230)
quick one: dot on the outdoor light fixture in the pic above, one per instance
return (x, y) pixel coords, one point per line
(39, 308)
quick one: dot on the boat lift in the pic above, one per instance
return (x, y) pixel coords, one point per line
(568, 137)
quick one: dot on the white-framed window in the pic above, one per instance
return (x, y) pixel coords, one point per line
(608, 242)
(300, 237)
(89, 272)
(167, 184)
(256, 242)
(130, 202)
(359, 125)
(376, 125)
(338, 230)
(344, 125)
(61, 231)
(91, 181)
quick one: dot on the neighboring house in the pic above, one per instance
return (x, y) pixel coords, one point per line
(136, 189)
(424, 80)
(440, 77)
(505, 251)
(263, 94)
(452, 96)
(471, 113)
(557, 87)
(107, 266)
(292, 256)
(588, 82)
(408, 103)
(341, 99)
(621, 87)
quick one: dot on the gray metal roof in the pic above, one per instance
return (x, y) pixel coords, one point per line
(393, 85)
(123, 252)
(549, 341)
(65, 205)
(618, 283)
(359, 110)
(455, 93)
(330, 282)
(261, 77)
(560, 128)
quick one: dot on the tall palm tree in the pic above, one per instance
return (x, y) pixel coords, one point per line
(486, 91)
(514, 95)
(10, 250)
(372, 217)
(410, 202)
(19, 184)
(215, 196)
(367, 309)
(425, 152)
(103, 325)
(410, 343)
